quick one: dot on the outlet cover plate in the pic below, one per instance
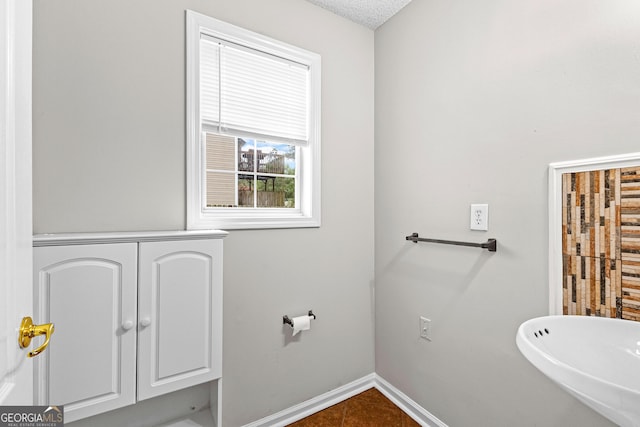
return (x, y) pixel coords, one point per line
(479, 217)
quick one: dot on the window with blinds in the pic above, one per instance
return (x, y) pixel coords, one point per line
(248, 92)
(253, 114)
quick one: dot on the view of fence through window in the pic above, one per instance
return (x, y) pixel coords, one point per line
(247, 173)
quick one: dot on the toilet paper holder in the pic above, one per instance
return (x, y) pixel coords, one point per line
(287, 321)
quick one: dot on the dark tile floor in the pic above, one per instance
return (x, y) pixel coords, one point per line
(367, 409)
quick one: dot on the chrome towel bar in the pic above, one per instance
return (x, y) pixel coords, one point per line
(490, 244)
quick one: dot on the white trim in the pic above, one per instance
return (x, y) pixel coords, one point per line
(311, 406)
(316, 404)
(242, 37)
(410, 407)
(556, 170)
(215, 401)
(194, 151)
(308, 211)
(124, 237)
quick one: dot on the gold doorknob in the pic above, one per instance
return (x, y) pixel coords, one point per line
(28, 330)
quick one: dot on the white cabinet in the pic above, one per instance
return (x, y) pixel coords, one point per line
(133, 320)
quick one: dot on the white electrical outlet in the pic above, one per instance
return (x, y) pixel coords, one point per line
(425, 328)
(479, 218)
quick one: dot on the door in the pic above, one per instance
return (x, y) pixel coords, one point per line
(16, 373)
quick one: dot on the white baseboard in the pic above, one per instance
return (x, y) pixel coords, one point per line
(404, 402)
(311, 406)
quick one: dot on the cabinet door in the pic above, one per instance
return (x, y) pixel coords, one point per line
(180, 315)
(89, 293)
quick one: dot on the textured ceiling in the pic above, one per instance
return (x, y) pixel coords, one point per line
(370, 13)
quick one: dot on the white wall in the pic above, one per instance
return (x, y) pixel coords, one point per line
(109, 149)
(473, 101)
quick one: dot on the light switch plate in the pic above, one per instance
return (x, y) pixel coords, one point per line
(425, 328)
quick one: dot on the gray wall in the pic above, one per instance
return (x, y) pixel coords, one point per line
(109, 152)
(473, 101)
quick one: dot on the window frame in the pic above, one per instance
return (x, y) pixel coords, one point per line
(308, 210)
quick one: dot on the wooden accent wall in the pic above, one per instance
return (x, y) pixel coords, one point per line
(601, 243)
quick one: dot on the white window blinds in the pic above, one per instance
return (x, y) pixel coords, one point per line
(245, 92)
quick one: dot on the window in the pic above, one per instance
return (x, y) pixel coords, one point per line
(253, 129)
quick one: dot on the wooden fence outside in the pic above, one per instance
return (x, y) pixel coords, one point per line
(266, 199)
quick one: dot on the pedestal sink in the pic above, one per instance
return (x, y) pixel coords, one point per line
(595, 359)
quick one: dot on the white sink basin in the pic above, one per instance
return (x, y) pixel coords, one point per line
(595, 359)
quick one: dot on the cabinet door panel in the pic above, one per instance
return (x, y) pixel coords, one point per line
(182, 292)
(91, 292)
(180, 297)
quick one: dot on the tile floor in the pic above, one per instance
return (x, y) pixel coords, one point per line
(367, 409)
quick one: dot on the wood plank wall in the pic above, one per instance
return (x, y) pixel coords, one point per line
(601, 243)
